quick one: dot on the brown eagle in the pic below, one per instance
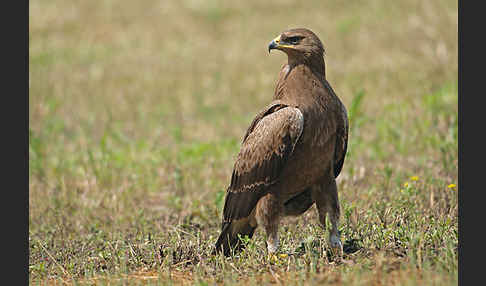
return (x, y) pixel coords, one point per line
(292, 152)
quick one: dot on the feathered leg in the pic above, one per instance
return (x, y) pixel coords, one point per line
(267, 215)
(327, 202)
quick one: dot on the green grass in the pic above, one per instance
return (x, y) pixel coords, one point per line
(137, 110)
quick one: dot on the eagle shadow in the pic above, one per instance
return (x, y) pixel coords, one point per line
(350, 246)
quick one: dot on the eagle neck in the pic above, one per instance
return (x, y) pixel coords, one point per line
(313, 60)
(317, 65)
(313, 63)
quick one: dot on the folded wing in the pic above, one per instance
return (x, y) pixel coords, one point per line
(265, 150)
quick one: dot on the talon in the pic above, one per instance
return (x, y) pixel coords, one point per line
(337, 250)
(336, 246)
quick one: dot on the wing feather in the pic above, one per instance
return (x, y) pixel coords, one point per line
(341, 140)
(341, 131)
(266, 147)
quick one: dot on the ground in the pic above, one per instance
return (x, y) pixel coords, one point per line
(137, 110)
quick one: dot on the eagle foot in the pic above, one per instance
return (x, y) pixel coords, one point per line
(336, 247)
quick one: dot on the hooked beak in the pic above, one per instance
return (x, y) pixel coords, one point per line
(274, 44)
(278, 44)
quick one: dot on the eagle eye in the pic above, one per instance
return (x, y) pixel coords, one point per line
(294, 40)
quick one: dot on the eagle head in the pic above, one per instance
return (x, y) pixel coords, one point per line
(300, 42)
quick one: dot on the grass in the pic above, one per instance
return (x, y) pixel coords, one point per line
(137, 110)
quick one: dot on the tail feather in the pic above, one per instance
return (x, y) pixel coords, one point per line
(228, 239)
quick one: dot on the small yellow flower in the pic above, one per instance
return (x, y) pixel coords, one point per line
(272, 258)
(405, 184)
(283, 255)
(451, 186)
(414, 178)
